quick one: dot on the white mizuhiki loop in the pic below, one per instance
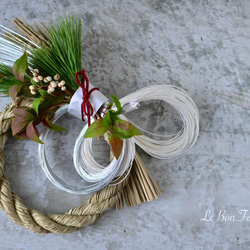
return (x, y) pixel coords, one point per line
(97, 176)
(92, 171)
(186, 108)
(178, 143)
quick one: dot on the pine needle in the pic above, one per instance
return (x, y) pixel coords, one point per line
(53, 50)
(63, 55)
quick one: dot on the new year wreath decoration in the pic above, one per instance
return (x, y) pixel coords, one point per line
(41, 70)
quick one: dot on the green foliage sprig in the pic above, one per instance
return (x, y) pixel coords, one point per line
(44, 104)
(60, 54)
(116, 128)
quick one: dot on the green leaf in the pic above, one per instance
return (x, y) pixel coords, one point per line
(13, 91)
(125, 129)
(109, 106)
(117, 103)
(7, 79)
(97, 128)
(36, 103)
(21, 135)
(116, 144)
(20, 67)
(48, 124)
(107, 120)
(114, 115)
(33, 133)
(42, 92)
(22, 118)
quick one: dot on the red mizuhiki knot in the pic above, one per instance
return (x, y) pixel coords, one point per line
(86, 107)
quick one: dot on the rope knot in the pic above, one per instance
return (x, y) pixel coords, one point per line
(86, 107)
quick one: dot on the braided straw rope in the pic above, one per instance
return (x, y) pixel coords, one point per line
(37, 222)
(138, 187)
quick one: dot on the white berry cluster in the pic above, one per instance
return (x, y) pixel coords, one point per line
(51, 84)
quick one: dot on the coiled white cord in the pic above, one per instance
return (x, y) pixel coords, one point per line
(96, 175)
(99, 176)
(185, 106)
(92, 171)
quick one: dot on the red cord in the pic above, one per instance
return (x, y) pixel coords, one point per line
(86, 107)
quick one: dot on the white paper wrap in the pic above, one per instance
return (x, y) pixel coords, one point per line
(97, 99)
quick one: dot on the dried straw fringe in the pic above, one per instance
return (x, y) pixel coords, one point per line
(140, 187)
(136, 188)
(39, 36)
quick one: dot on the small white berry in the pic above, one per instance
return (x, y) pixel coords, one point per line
(53, 84)
(36, 71)
(45, 79)
(63, 88)
(49, 79)
(57, 77)
(36, 79)
(49, 91)
(32, 87)
(32, 91)
(62, 83)
(40, 78)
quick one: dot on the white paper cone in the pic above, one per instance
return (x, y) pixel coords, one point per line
(96, 99)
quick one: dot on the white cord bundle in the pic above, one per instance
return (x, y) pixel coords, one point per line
(92, 171)
(99, 176)
(10, 51)
(96, 175)
(186, 108)
(47, 167)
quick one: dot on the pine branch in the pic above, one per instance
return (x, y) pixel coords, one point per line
(63, 55)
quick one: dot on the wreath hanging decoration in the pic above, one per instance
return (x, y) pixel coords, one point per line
(41, 71)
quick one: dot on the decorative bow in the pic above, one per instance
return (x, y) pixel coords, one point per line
(86, 107)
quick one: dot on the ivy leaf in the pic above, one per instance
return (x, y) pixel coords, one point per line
(14, 89)
(36, 103)
(20, 66)
(125, 129)
(117, 103)
(48, 124)
(22, 117)
(33, 133)
(98, 127)
(116, 144)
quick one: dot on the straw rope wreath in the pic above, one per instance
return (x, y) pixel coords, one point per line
(126, 193)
